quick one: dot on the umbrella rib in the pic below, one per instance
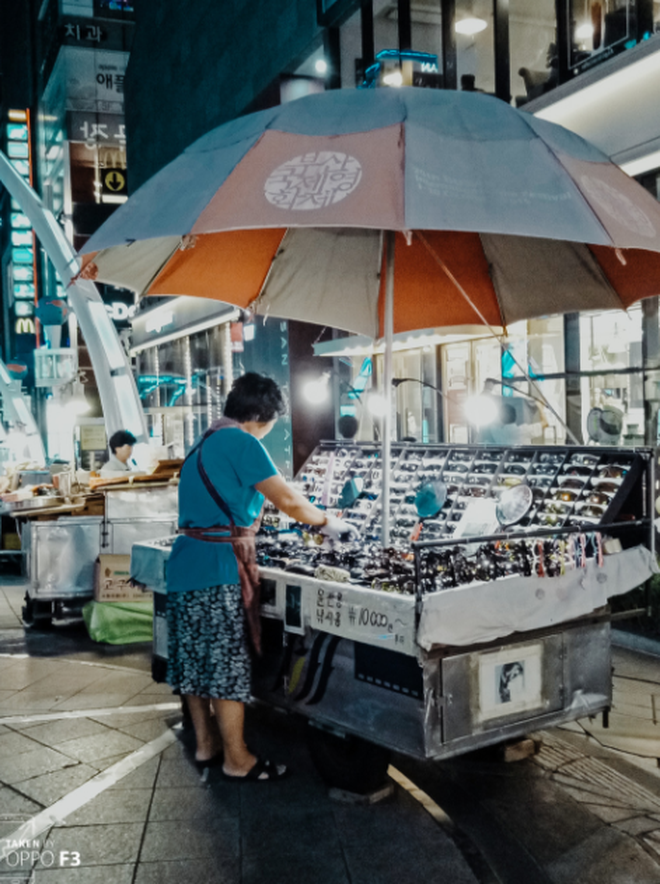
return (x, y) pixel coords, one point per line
(583, 198)
(500, 338)
(156, 273)
(460, 288)
(255, 304)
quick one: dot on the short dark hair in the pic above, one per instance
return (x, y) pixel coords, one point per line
(254, 397)
(121, 438)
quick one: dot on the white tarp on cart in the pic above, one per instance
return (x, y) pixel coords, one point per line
(483, 612)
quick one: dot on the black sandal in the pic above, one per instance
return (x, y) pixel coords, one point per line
(256, 772)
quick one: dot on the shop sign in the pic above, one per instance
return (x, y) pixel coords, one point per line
(113, 181)
(83, 32)
(159, 321)
(93, 437)
(87, 32)
(22, 252)
(24, 326)
(93, 79)
(96, 130)
(119, 312)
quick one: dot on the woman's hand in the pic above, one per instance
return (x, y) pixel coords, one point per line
(338, 531)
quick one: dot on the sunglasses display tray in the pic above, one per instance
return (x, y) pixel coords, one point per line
(455, 617)
(571, 486)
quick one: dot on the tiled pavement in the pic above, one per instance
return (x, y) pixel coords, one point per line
(72, 713)
(65, 719)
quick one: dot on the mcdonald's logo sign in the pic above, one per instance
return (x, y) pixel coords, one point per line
(24, 326)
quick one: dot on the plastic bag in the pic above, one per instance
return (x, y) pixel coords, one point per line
(119, 623)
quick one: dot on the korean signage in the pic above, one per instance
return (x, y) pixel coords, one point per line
(93, 34)
(93, 79)
(96, 130)
(21, 235)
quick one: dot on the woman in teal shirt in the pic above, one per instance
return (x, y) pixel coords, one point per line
(212, 579)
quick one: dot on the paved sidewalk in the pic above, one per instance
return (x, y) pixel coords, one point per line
(94, 757)
(67, 722)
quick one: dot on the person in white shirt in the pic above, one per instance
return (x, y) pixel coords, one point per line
(121, 448)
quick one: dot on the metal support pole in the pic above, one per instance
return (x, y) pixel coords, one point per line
(367, 29)
(563, 45)
(651, 362)
(573, 387)
(449, 64)
(405, 25)
(387, 383)
(332, 52)
(501, 47)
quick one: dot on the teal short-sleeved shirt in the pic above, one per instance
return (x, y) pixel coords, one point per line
(235, 462)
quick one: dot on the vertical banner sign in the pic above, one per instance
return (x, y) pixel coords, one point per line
(23, 280)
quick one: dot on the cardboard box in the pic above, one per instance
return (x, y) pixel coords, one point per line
(112, 581)
(11, 540)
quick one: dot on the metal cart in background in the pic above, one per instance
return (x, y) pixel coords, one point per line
(59, 555)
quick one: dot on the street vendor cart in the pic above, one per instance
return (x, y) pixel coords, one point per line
(487, 617)
(61, 540)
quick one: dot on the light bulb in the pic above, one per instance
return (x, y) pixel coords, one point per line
(321, 66)
(377, 405)
(480, 410)
(470, 26)
(584, 32)
(393, 79)
(316, 391)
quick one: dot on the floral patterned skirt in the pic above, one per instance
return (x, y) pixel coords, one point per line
(207, 643)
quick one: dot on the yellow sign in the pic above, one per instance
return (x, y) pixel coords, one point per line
(114, 180)
(24, 326)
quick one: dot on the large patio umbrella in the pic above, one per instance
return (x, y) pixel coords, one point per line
(490, 214)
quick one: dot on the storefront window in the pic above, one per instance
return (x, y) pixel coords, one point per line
(611, 351)
(598, 29)
(537, 347)
(533, 42)
(475, 48)
(180, 385)
(418, 402)
(651, 182)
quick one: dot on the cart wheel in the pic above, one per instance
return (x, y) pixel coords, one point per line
(33, 618)
(349, 763)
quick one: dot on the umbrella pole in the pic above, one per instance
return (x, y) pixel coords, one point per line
(387, 381)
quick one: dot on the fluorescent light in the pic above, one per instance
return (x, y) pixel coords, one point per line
(470, 26)
(316, 391)
(584, 32)
(377, 404)
(393, 79)
(481, 410)
(643, 164)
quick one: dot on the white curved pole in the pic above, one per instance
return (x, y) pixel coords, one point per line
(120, 402)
